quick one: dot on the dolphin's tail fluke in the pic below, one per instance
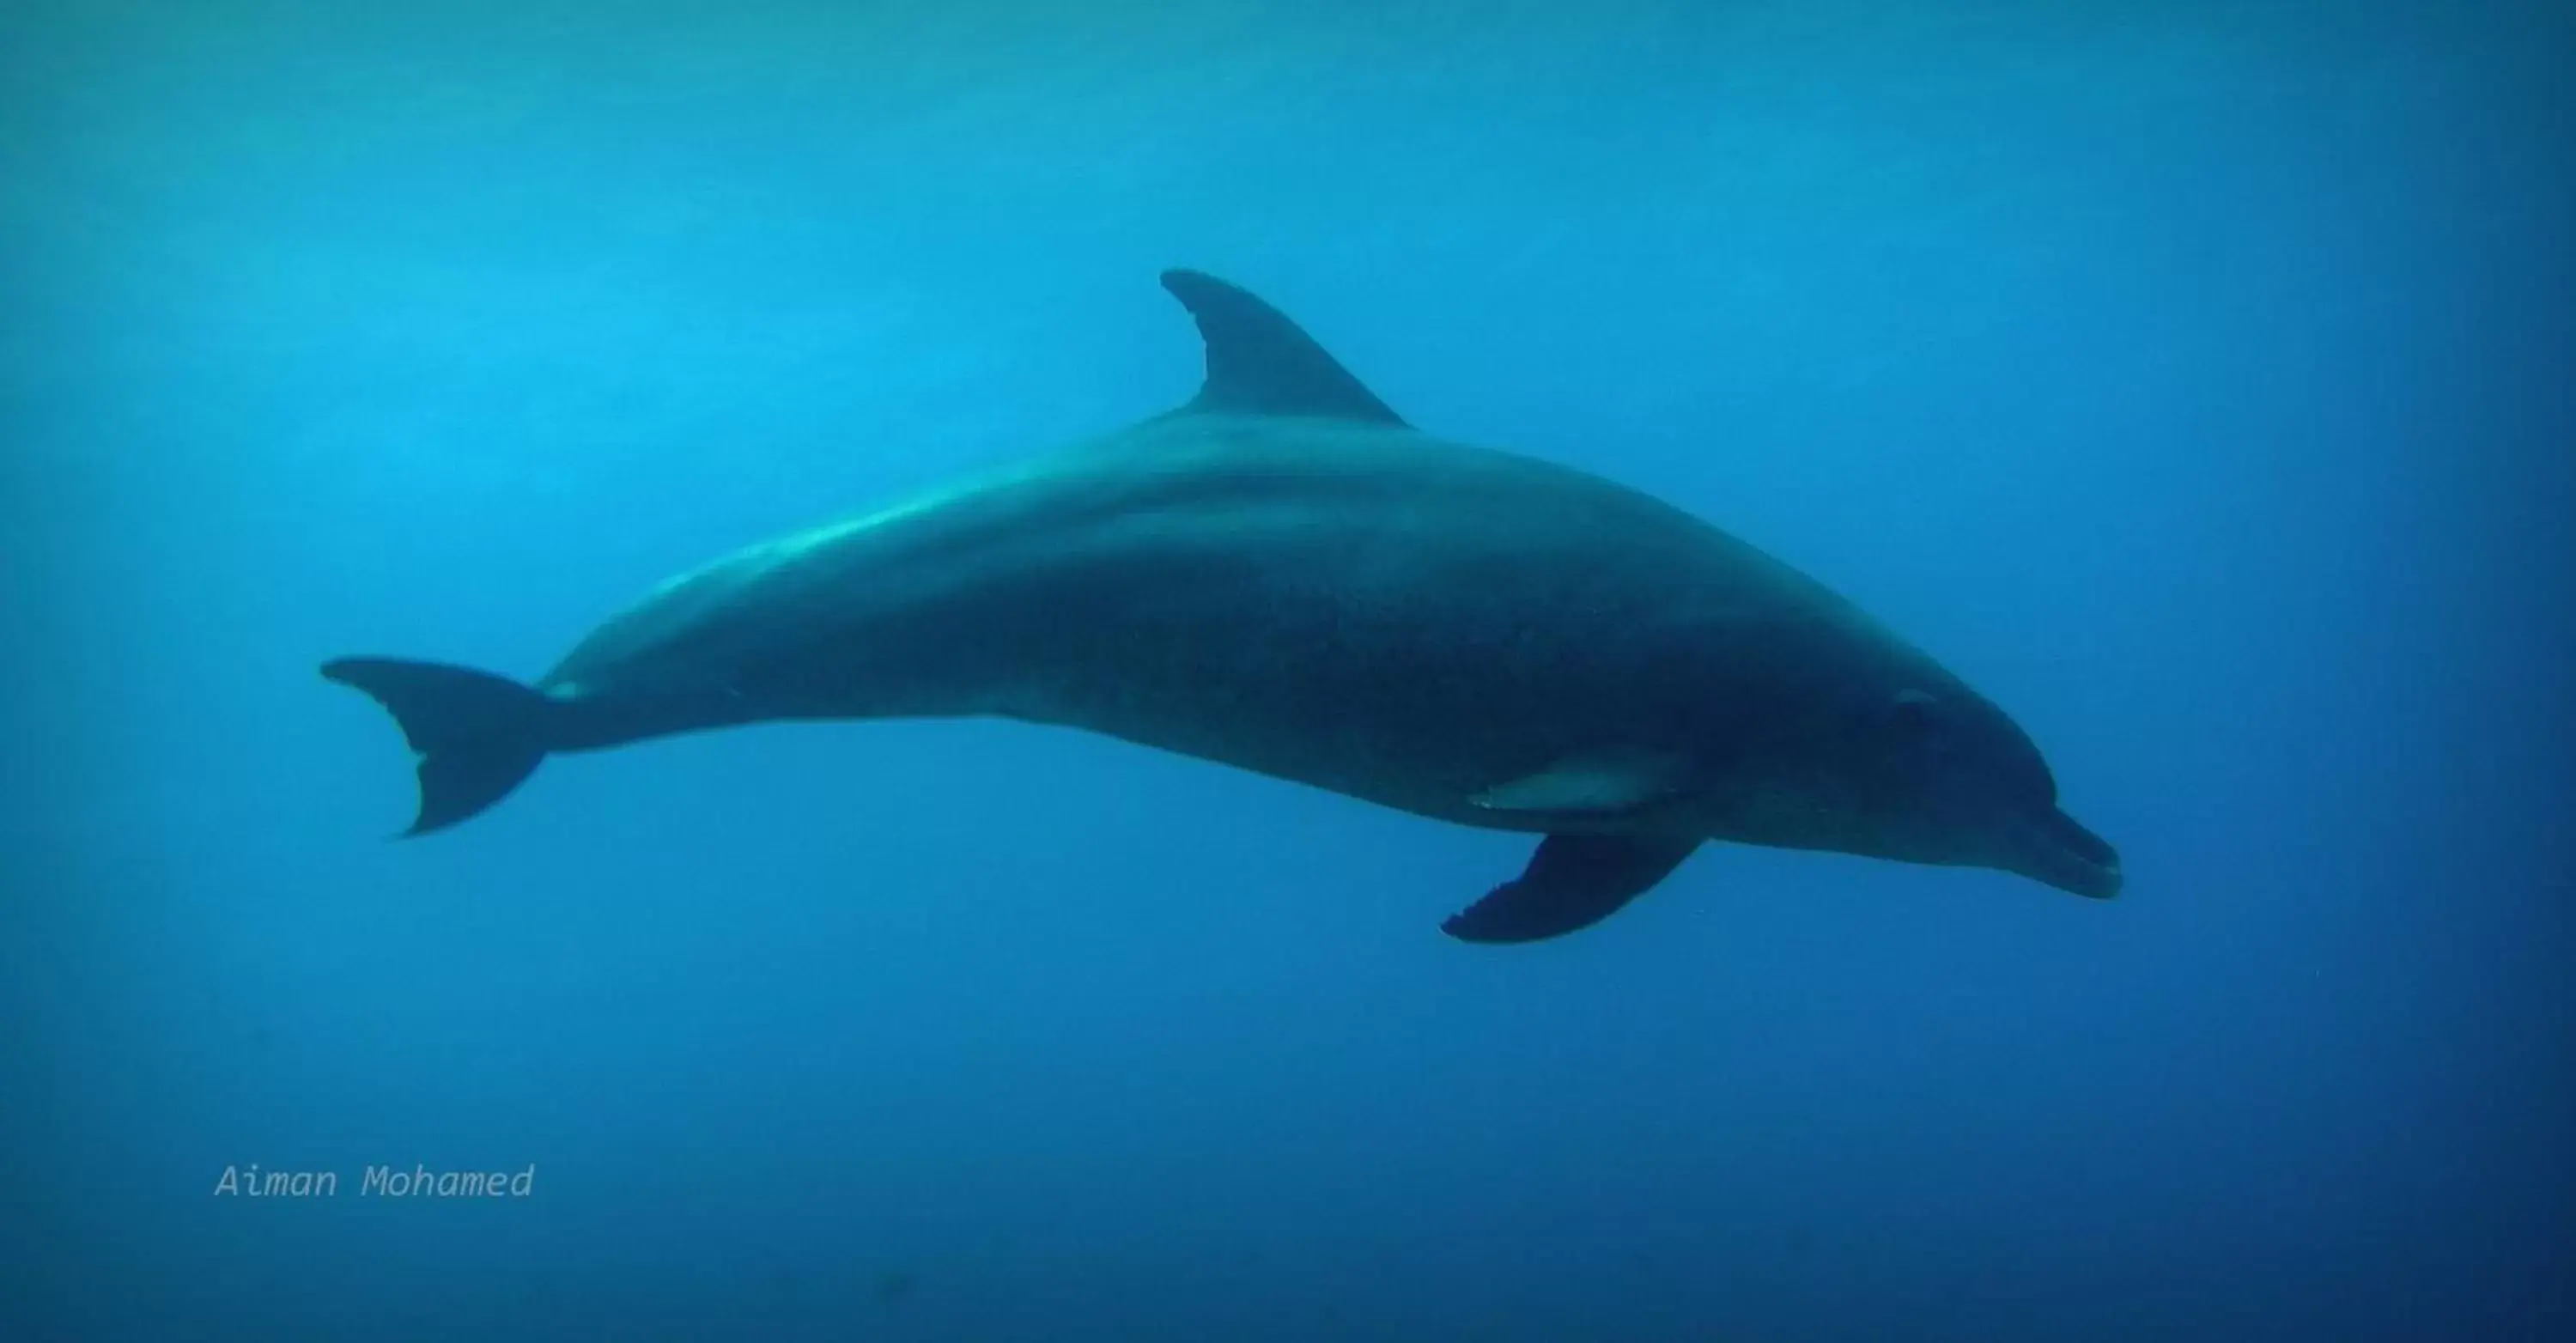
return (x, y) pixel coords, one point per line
(478, 735)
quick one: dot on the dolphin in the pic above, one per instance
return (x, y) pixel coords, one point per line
(1284, 576)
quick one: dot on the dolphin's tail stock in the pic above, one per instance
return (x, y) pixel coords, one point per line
(477, 735)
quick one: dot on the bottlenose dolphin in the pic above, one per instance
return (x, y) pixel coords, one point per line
(1285, 577)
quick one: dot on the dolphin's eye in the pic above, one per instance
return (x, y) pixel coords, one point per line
(1914, 712)
(1918, 728)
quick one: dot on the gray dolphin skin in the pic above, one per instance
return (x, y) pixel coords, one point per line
(1284, 577)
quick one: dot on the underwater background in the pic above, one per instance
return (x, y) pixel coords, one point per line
(2192, 378)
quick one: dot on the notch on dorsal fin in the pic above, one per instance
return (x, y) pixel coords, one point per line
(1260, 363)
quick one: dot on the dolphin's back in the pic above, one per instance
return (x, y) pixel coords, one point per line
(1356, 605)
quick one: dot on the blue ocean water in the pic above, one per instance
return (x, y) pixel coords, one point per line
(2191, 378)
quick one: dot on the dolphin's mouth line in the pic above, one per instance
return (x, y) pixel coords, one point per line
(2060, 852)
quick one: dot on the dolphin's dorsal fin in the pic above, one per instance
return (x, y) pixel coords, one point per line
(1260, 363)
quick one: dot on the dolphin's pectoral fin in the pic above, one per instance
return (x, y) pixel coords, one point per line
(1260, 363)
(1572, 882)
(1600, 784)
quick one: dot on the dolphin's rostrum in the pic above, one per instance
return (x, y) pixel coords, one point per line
(1284, 576)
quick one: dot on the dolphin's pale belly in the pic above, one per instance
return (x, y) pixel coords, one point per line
(1352, 607)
